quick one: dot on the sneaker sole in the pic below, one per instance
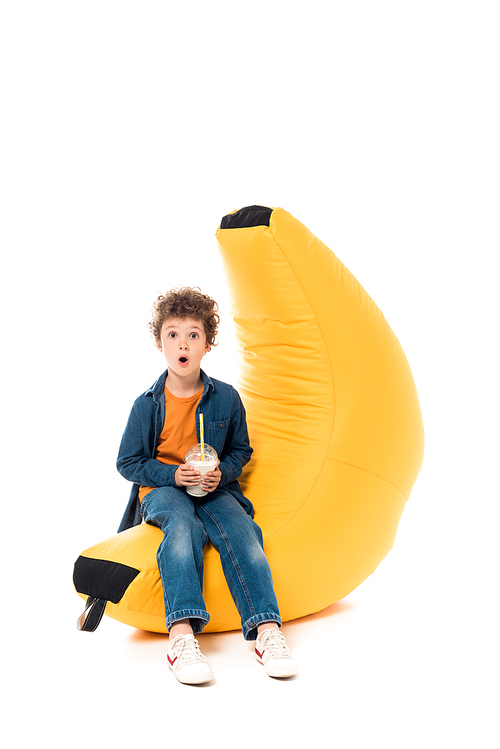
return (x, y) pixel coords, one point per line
(191, 679)
(280, 673)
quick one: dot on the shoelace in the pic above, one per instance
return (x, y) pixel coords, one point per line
(189, 650)
(275, 643)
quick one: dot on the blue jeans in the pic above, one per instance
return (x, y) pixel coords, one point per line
(187, 525)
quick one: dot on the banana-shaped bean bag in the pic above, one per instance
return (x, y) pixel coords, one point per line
(335, 424)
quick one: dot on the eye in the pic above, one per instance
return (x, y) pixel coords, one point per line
(194, 335)
(172, 334)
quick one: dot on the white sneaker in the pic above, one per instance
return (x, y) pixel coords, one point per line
(187, 662)
(272, 651)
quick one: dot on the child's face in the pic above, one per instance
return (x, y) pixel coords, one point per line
(183, 344)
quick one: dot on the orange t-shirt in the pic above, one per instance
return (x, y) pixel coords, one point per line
(178, 433)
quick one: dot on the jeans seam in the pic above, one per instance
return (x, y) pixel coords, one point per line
(149, 518)
(200, 568)
(253, 622)
(233, 559)
(165, 596)
(200, 615)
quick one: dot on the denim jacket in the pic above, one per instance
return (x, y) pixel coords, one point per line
(225, 429)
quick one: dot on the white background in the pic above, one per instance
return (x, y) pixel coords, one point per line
(128, 131)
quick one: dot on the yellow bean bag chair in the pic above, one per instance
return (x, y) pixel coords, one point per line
(334, 420)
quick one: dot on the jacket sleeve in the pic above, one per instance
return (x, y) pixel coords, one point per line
(236, 451)
(134, 461)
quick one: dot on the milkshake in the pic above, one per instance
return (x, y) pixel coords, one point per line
(194, 458)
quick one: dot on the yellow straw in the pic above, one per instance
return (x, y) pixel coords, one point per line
(202, 439)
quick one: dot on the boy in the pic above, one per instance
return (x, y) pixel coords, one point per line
(163, 425)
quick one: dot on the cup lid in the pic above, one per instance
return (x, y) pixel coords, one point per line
(194, 453)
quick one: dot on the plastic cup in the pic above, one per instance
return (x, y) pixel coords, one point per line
(194, 459)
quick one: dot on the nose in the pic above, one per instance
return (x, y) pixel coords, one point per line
(183, 344)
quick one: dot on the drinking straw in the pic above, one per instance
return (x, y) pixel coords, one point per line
(201, 438)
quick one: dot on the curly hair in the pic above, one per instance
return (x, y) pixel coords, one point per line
(181, 303)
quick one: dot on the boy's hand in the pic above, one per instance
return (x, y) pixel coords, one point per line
(186, 476)
(211, 481)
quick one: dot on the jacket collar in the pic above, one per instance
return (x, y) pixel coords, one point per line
(158, 388)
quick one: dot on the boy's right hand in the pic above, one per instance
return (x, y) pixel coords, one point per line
(187, 476)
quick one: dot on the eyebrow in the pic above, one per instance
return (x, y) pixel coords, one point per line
(191, 327)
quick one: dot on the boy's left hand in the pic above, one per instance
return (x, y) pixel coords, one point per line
(211, 480)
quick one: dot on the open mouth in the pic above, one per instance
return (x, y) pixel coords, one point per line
(183, 360)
